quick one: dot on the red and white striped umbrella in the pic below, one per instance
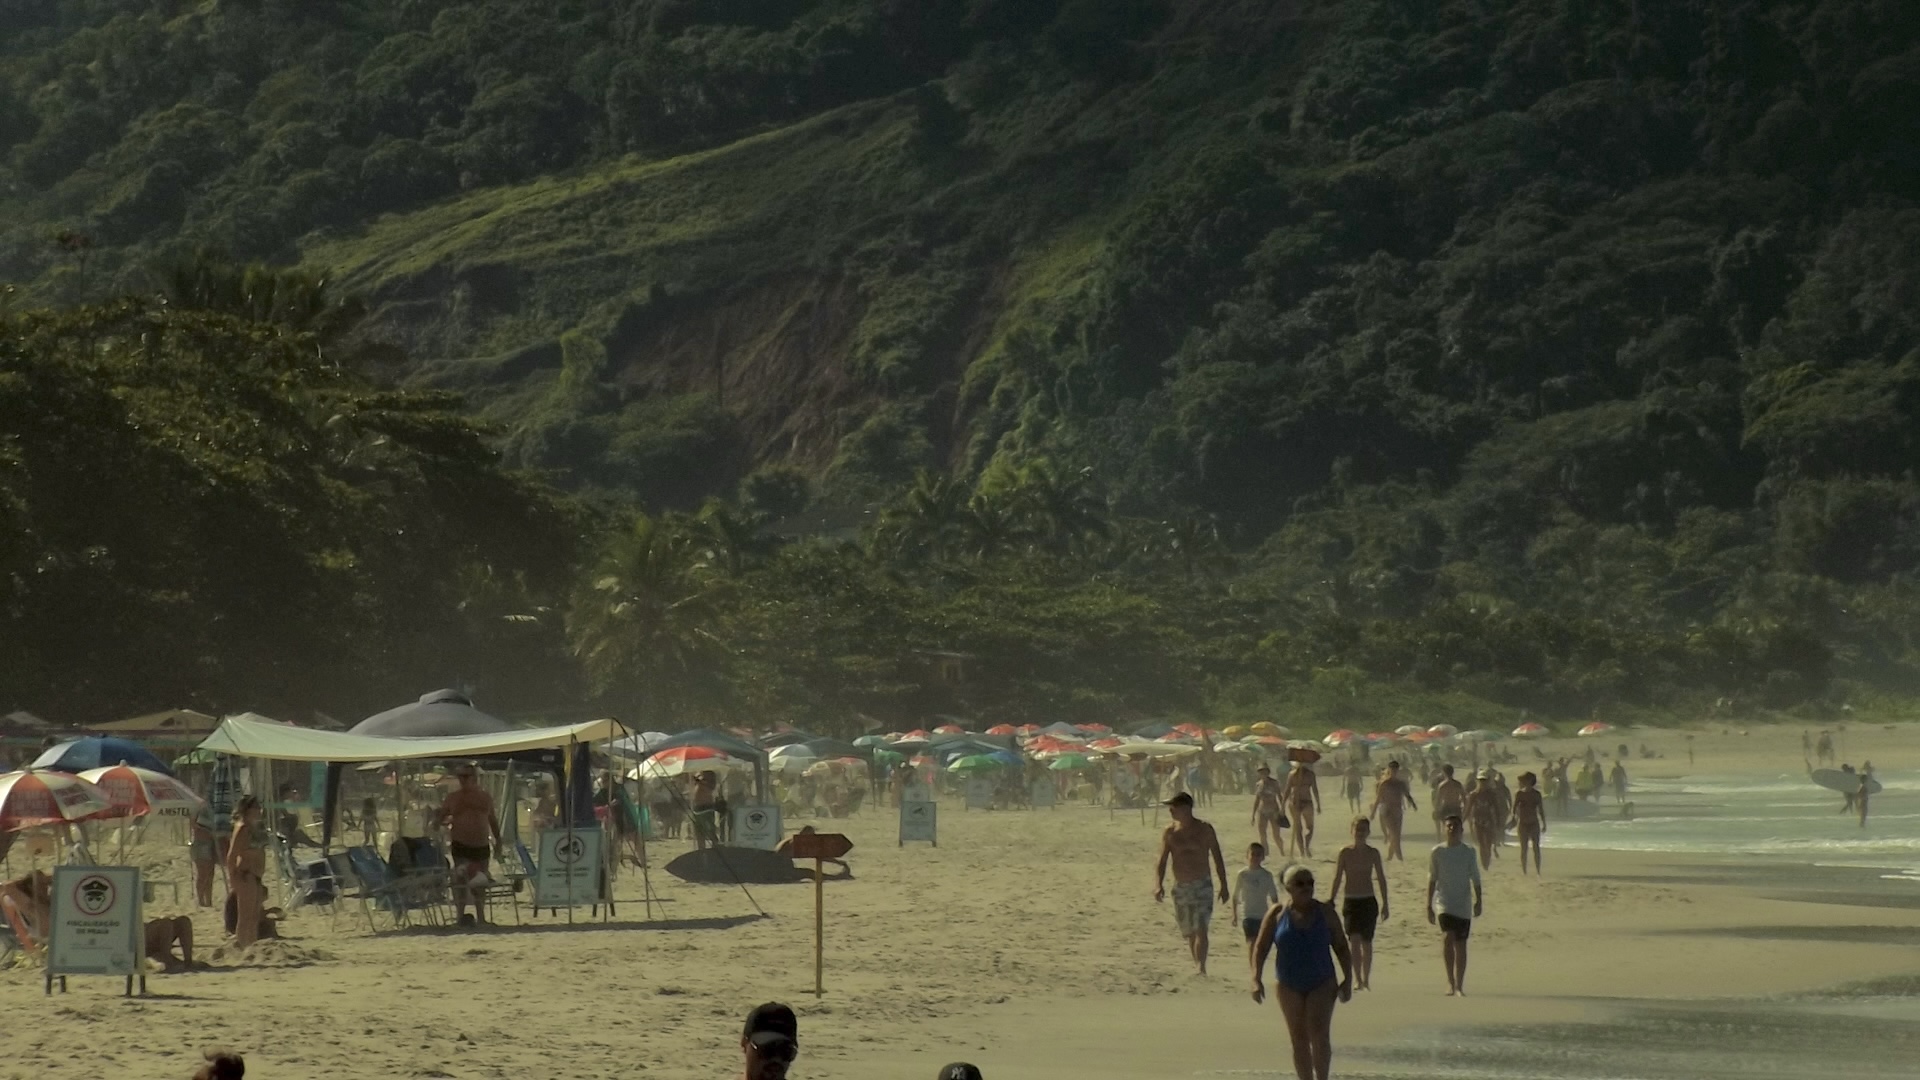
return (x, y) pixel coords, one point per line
(39, 797)
(1598, 727)
(133, 791)
(683, 760)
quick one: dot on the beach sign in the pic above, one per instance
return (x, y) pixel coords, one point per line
(97, 929)
(569, 868)
(820, 847)
(1041, 793)
(757, 826)
(980, 792)
(919, 821)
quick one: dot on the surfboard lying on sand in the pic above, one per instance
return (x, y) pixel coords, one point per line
(1845, 783)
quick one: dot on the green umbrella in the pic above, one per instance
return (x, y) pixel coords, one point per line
(195, 757)
(887, 757)
(975, 761)
(1067, 762)
(869, 740)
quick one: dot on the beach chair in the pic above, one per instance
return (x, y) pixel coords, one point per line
(314, 885)
(15, 936)
(348, 884)
(378, 884)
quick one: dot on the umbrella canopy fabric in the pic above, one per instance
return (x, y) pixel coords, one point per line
(1157, 749)
(133, 792)
(436, 715)
(687, 761)
(869, 740)
(712, 740)
(1443, 729)
(98, 751)
(1067, 762)
(793, 751)
(1340, 738)
(1002, 729)
(1267, 727)
(34, 797)
(1409, 729)
(975, 762)
(1530, 730)
(1598, 727)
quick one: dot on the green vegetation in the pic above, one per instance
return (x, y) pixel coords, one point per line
(1337, 362)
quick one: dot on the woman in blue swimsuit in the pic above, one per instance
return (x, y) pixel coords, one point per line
(1301, 931)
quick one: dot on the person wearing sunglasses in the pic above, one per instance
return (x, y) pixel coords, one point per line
(1306, 937)
(770, 1042)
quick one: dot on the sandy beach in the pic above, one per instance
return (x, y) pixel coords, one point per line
(1028, 943)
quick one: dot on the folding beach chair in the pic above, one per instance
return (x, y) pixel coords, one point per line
(378, 884)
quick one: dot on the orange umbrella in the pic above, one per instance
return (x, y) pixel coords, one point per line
(34, 797)
(134, 792)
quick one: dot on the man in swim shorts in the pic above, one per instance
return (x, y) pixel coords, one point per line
(1357, 867)
(1449, 796)
(1391, 796)
(472, 830)
(1453, 900)
(1188, 843)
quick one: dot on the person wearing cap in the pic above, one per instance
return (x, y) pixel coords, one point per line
(959, 1070)
(472, 831)
(770, 1042)
(1187, 844)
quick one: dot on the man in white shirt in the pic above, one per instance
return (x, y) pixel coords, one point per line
(1453, 875)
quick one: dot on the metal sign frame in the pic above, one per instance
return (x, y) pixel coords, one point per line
(98, 925)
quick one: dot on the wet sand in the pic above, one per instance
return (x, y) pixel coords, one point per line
(1028, 943)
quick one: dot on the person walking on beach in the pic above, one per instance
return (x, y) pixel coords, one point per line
(1254, 891)
(473, 830)
(1188, 844)
(1353, 784)
(1357, 867)
(1453, 901)
(1391, 796)
(1267, 815)
(1860, 796)
(1301, 932)
(1619, 780)
(1529, 819)
(1449, 795)
(1483, 811)
(1303, 798)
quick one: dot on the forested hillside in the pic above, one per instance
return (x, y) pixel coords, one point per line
(1329, 359)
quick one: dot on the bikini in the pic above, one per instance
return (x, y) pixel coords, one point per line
(1301, 962)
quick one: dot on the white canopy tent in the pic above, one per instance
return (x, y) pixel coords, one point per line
(250, 735)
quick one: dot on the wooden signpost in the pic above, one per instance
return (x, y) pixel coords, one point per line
(819, 847)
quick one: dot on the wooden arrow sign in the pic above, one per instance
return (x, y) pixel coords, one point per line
(828, 845)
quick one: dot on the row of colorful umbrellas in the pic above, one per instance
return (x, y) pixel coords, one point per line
(34, 797)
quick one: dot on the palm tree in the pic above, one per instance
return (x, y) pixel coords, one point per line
(927, 522)
(300, 302)
(990, 527)
(1063, 509)
(728, 540)
(641, 622)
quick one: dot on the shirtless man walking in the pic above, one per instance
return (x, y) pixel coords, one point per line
(1529, 819)
(473, 829)
(1483, 812)
(1391, 796)
(1188, 843)
(1267, 814)
(1302, 796)
(1449, 797)
(1358, 867)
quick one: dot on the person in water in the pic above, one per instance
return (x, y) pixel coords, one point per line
(1357, 867)
(1301, 931)
(1529, 819)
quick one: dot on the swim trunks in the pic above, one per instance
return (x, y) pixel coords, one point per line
(1251, 927)
(1456, 927)
(1361, 914)
(1193, 905)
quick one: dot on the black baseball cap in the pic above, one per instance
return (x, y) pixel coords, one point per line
(959, 1070)
(1180, 799)
(772, 1026)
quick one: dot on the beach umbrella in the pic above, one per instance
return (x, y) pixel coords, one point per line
(196, 756)
(1598, 727)
(1107, 744)
(1308, 754)
(888, 757)
(975, 763)
(687, 760)
(949, 729)
(870, 740)
(442, 712)
(1095, 729)
(1234, 731)
(1027, 729)
(1477, 736)
(1342, 737)
(34, 797)
(1158, 749)
(1265, 740)
(1229, 747)
(1443, 729)
(792, 751)
(1530, 730)
(1409, 729)
(98, 751)
(1382, 738)
(133, 791)
(1003, 729)
(1068, 762)
(917, 733)
(1267, 728)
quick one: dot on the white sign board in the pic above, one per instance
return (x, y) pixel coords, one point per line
(756, 827)
(96, 921)
(569, 868)
(1041, 793)
(919, 821)
(980, 791)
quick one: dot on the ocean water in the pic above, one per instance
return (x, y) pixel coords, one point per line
(1785, 816)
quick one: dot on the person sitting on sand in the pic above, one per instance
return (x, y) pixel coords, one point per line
(1529, 819)
(1187, 844)
(1453, 900)
(1301, 932)
(222, 1065)
(770, 1042)
(163, 935)
(1357, 867)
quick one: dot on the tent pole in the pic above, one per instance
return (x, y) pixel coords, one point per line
(609, 832)
(567, 802)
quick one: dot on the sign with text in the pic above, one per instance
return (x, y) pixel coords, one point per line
(756, 827)
(919, 821)
(980, 792)
(569, 868)
(96, 921)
